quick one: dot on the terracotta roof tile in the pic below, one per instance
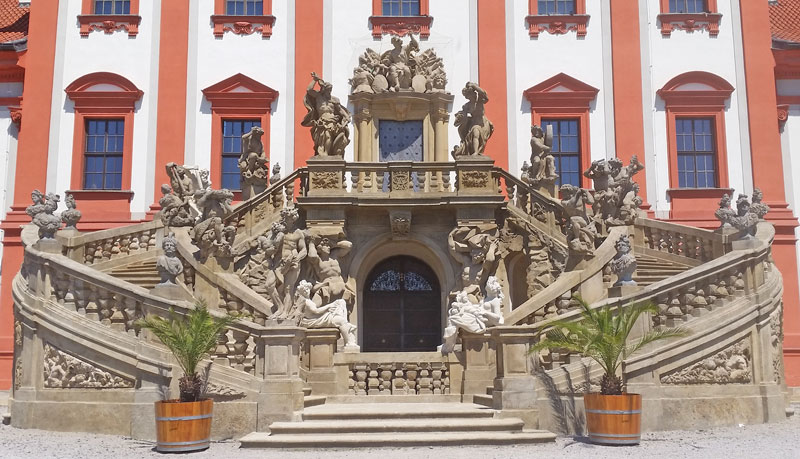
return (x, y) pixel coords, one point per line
(13, 21)
(784, 17)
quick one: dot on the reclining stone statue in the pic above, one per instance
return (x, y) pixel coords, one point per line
(473, 317)
(332, 315)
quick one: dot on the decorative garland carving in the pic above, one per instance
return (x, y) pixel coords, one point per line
(243, 25)
(729, 366)
(690, 22)
(64, 371)
(776, 340)
(109, 23)
(557, 24)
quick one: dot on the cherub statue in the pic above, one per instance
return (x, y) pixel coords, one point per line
(332, 315)
(474, 128)
(327, 118)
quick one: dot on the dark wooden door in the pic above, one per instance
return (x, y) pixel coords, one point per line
(402, 307)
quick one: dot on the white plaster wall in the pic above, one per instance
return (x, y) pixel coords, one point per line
(212, 60)
(135, 59)
(351, 35)
(536, 60)
(685, 52)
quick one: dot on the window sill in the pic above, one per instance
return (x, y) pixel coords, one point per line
(101, 195)
(557, 24)
(689, 193)
(109, 23)
(690, 22)
(401, 25)
(242, 25)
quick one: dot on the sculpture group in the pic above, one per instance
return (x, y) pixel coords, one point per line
(42, 213)
(402, 68)
(746, 215)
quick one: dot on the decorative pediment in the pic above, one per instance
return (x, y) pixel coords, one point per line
(696, 89)
(561, 90)
(240, 92)
(103, 89)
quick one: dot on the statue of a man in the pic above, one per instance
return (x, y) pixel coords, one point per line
(324, 259)
(252, 161)
(474, 128)
(543, 166)
(476, 249)
(168, 264)
(260, 273)
(292, 252)
(327, 118)
(580, 232)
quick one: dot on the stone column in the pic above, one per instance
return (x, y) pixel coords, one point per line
(278, 363)
(440, 119)
(320, 344)
(479, 362)
(514, 387)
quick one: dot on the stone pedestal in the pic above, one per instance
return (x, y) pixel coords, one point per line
(514, 387)
(278, 363)
(474, 175)
(623, 290)
(479, 362)
(252, 189)
(325, 175)
(320, 345)
(171, 292)
(48, 246)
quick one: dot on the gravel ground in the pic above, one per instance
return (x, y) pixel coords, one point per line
(773, 441)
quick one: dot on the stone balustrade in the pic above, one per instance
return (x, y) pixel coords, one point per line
(111, 244)
(695, 244)
(250, 216)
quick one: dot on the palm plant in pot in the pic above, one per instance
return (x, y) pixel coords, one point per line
(612, 416)
(184, 424)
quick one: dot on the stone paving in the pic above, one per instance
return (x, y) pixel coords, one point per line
(774, 441)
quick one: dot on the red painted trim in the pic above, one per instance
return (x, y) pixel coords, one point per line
(789, 100)
(557, 24)
(690, 21)
(31, 168)
(172, 75)
(242, 25)
(492, 75)
(11, 70)
(308, 58)
(571, 104)
(109, 23)
(229, 102)
(627, 77)
(787, 64)
(401, 25)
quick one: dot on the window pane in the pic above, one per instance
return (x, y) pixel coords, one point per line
(566, 150)
(232, 131)
(105, 141)
(696, 153)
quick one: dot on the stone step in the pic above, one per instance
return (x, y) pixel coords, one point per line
(369, 440)
(485, 400)
(489, 390)
(396, 411)
(306, 391)
(136, 275)
(334, 426)
(313, 400)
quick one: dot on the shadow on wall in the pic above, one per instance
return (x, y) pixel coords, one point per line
(566, 419)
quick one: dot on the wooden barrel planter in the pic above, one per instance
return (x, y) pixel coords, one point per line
(614, 419)
(183, 426)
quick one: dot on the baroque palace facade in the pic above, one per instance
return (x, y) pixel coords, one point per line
(401, 161)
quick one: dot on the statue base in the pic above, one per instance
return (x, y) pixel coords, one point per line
(352, 349)
(48, 245)
(623, 290)
(250, 190)
(171, 292)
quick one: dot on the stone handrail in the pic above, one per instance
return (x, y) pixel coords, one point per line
(556, 298)
(401, 176)
(107, 245)
(544, 209)
(56, 279)
(682, 241)
(247, 215)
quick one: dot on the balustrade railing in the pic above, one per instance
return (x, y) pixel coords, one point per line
(684, 241)
(247, 215)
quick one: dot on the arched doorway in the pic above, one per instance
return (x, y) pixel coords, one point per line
(402, 307)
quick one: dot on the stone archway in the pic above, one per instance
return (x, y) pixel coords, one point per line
(402, 306)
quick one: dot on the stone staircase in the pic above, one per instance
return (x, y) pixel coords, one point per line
(141, 273)
(367, 425)
(650, 270)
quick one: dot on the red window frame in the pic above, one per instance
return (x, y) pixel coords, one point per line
(230, 103)
(557, 24)
(109, 23)
(690, 21)
(708, 101)
(103, 205)
(242, 25)
(574, 103)
(401, 25)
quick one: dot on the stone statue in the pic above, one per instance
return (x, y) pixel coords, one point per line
(525, 173)
(253, 161)
(211, 234)
(175, 211)
(71, 216)
(580, 232)
(616, 196)
(327, 118)
(329, 315)
(474, 128)
(168, 264)
(624, 262)
(744, 219)
(185, 181)
(41, 213)
(725, 214)
(276, 174)
(323, 257)
(261, 271)
(476, 249)
(402, 68)
(473, 317)
(292, 252)
(758, 207)
(543, 167)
